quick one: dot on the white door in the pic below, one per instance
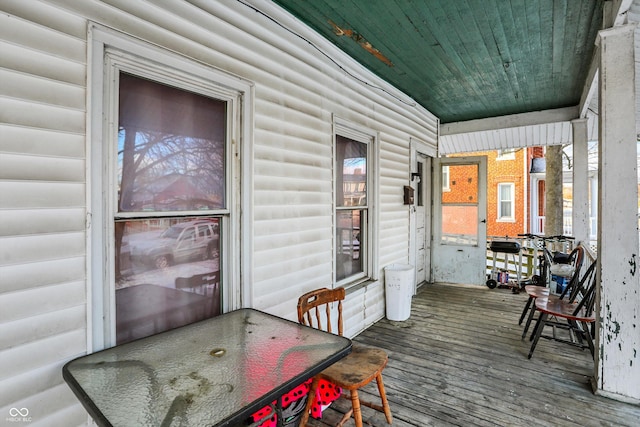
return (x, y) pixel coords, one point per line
(422, 201)
(459, 247)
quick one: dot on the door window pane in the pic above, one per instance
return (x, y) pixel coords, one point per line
(460, 206)
(420, 186)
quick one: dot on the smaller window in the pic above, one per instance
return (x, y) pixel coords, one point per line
(445, 178)
(506, 196)
(352, 210)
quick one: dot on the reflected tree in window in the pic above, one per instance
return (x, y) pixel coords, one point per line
(171, 151)
(171, 155)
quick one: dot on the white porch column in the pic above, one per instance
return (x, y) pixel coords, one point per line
(617, 361)
(580, 208)
(593, 216)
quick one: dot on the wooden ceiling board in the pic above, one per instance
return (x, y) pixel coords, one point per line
(466, 59)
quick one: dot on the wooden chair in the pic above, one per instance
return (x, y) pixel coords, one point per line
(199, 283)
(207, 284)
(577, 311)
(534, 292)
(359, 368)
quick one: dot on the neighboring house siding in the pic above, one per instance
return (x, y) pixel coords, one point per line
(43, 171)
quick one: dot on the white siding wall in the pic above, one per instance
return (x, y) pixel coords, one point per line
(43, 178)
(42, 210)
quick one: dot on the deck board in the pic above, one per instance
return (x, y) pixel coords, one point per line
(459, 361)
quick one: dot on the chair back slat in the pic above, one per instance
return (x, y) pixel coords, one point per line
(576, 258)
(586, 291)
(314, 309)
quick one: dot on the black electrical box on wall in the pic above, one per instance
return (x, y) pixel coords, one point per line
(408, 195)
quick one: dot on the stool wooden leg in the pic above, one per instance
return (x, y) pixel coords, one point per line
(383, 396)
(355, 404)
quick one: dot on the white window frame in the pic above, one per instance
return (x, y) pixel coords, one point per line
(445, 178)
(506, 154)
(512, 191)
(109, 53)
(370, 137)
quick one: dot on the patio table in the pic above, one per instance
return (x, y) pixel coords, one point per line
(216, 372)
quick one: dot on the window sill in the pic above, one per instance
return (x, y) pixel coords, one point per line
(506, 220)
(359, 284)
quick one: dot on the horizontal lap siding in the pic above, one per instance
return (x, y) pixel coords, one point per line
(42, 212)
(298, 91)
(296, 117)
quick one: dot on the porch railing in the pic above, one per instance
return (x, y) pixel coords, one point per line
(529, 256)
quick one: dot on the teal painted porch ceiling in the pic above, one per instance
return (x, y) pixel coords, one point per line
(466, 59)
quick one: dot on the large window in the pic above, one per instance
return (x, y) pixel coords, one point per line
(506, 195)
(170, 205)
(164, 238)
(353, 215)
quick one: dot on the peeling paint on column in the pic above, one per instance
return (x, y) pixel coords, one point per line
(612, 326)
(619, 276)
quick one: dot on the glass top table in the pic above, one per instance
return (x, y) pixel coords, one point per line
(216, 372)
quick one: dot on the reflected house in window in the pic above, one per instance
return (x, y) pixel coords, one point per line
(173, 192)
(352, 210)
(354, 186)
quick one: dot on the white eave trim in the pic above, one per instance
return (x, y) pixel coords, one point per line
(511, 121)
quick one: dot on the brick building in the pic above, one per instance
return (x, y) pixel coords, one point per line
(511, 191)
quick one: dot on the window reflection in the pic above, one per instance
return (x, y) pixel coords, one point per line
(351, 207)
(352, 156)
(348, 238)
(459, 207)
(160, 262)
(171, 158)
(171, 154)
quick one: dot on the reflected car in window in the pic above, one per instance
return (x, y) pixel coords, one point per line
(182, 242)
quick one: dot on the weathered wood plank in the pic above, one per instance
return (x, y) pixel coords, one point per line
(459, 360)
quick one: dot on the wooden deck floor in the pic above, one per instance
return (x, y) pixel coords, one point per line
(459, 361)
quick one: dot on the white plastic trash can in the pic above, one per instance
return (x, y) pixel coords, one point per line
(398, 290)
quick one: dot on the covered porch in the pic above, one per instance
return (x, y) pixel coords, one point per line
(290, 89)
(588, 53)
(459, 360)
